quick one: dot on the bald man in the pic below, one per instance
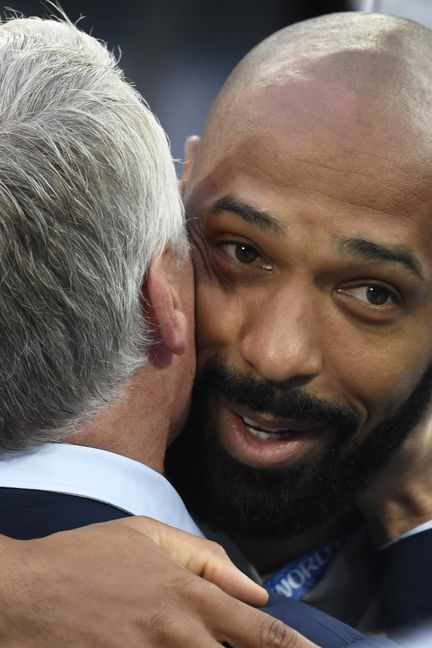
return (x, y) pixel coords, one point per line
(313, 293)
(309, 198)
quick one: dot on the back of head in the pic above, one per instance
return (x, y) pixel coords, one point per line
(88, 195)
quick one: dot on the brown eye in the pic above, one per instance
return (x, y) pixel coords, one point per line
(241, 254)
(378, 295)
(245, 253)
(372, 295)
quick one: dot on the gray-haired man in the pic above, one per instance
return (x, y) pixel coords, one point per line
(96, 319)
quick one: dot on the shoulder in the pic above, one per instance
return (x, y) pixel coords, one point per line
(406, 580)
(26, 514)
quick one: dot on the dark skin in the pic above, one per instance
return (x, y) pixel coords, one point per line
(310, 199)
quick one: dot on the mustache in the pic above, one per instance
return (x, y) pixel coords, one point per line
(263, 396)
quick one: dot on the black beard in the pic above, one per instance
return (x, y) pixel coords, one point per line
(234, 498)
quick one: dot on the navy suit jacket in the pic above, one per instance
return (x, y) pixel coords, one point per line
(27, 514)
(406, 582)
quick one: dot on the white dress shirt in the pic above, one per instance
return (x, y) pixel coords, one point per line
(98, 475)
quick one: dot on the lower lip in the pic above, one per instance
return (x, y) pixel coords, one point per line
(272, 453)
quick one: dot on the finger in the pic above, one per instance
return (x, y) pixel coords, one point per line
(249, 628)
(210, 561)
(201, 557)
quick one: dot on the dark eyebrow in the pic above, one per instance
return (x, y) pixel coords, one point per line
(391, 253)
(249, 214)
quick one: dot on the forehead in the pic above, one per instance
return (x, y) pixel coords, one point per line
(324, 145)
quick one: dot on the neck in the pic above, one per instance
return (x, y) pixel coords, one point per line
(270, 554)
(136, 424)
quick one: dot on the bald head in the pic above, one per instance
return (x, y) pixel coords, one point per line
(349, 41)
(349, 69)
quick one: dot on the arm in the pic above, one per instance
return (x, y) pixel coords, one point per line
(111, 585)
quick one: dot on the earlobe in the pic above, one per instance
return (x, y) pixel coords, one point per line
(169, 320)
(190, 152)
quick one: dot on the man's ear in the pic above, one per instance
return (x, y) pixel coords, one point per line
(190, 152)
(164, 305)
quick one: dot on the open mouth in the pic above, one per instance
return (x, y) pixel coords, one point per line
(263, 433)
(262, 440)
(264, 429)
(265, 440)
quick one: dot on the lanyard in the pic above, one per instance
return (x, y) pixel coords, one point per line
(299, 576)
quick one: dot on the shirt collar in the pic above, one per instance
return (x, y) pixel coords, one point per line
(99, 475)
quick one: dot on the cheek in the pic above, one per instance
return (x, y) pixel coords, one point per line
(219, 319)
(379, 371)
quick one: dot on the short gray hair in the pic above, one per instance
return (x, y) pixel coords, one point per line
(88, 196)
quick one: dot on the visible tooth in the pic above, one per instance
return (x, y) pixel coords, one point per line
(264, 436)
(247, 421)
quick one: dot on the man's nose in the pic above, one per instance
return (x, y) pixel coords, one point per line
(282, 339)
